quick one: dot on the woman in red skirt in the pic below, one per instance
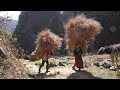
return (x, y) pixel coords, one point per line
(78, 58)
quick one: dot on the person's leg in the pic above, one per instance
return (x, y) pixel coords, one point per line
(82, 66)
(74, 64)
(79, 62)
(47, 66)
(41, 65)
(79, 69)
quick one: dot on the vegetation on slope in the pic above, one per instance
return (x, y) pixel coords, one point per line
(10, 67)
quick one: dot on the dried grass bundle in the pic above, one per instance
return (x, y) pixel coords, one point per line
(46, 40)
(81, 29)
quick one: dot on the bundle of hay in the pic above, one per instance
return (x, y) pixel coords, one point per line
(46, 40)
(81, 29)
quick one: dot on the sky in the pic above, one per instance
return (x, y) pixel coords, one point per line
(13, 14)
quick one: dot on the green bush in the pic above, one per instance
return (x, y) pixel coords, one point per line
(38, 62)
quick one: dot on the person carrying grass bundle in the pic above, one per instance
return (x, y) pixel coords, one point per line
(46, 42)
(79, 30)
(78, 57)
(45, 58)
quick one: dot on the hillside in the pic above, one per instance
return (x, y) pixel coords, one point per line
(10, 26)
(10, 66)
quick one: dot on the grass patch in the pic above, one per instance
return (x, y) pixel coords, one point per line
(38, 62)
(53, 62)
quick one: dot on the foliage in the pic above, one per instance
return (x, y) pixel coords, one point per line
(10, 68)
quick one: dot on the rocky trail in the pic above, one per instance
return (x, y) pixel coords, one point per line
(91, 70)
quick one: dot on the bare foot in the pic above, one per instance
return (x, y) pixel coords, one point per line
(47, 71)
(39, 71)
(79, 69)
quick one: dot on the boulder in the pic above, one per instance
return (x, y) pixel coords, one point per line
(107, 64)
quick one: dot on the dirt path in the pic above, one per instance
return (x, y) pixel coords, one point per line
(59, 72)
(65, 72)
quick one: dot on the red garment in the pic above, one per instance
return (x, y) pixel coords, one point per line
(78, 61)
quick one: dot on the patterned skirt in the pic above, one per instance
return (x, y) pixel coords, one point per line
(78, 61)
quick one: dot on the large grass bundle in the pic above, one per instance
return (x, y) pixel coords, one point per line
(81, 29)
(46, 40)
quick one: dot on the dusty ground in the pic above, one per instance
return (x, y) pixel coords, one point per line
(65, 72)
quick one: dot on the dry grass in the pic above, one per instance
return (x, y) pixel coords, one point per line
(10, 68)
(102, 73)
(46, 40)
(96, 71)
(81, 29)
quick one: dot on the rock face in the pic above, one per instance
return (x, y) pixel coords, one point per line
(32, 22)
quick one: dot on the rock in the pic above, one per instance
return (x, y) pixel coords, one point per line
(61, 64)
(56, 57)
(112, 68)
(87, 63)
(53, 72)
(70, 58)
(3, 53)
(101, 67)
(27, 57)
(99, 59)
(96, 64)
(108, 60)
(102, 64)
(53, 64)
(106, 65)
(57, 71)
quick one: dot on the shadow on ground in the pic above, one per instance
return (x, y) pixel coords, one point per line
(40, 75)
(82, 75)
